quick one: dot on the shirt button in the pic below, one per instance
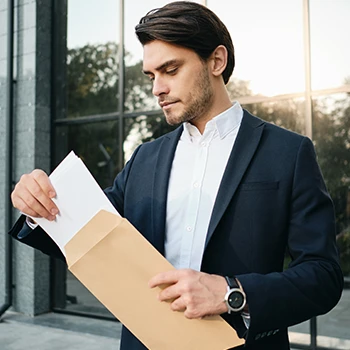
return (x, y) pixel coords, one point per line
(203, 144)
(196, 185)
(189, 228)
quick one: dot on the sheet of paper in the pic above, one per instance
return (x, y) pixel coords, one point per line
(78, 199)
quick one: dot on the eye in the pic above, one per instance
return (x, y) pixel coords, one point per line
(151, 77)
(172, 71)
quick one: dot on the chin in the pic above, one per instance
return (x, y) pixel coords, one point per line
(173, 120)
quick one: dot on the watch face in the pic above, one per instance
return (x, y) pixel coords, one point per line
(235, 299)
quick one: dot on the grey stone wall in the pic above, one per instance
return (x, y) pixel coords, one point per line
(3, 88)
(31, 141)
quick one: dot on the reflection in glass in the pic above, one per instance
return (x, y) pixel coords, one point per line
(268, 41)
(288, 114)
(143, 129)
(96, 144)
(331, 129)
(92, 57)
(138, 88)
(92, 79)
(79, 299)
(332, 139)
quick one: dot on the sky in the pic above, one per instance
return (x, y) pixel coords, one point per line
(267, 35)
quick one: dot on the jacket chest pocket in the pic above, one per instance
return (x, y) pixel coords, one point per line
(259, 186)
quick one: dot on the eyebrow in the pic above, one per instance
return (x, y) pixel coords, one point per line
(164, 65)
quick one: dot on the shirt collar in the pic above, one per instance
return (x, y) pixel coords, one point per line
(224, 123)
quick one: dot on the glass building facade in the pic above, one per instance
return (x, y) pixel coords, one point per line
(292, 69)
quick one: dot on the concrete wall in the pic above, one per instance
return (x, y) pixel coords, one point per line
(31, 140)
(3, 86)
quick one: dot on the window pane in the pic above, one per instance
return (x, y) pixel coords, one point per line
(332, 139)
(288, 114)
(92, 66)
(330, 53)
(142, 129)
(95, 144)
(79, 298)
(268, 41)
(92, 23)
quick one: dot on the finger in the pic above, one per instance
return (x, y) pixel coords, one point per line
(168, 277)
(170, 293)
(38, 184)
(178, 305)
(30, 212)
(191, 314)
(23, 200)
(44, 182)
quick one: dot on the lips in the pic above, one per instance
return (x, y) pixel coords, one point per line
(164, 104)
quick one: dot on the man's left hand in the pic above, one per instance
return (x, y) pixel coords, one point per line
(198, 294)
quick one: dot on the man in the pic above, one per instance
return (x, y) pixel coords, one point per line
(222, 197)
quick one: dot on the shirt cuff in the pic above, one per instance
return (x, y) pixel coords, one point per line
(246, 319)
(31, 224)
(27, 228)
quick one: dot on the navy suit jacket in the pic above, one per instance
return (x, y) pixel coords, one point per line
(272, 200)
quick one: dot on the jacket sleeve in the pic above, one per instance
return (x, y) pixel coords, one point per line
(313, 283)
(38, 238)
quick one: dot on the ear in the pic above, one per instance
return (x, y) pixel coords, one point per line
(218, 60)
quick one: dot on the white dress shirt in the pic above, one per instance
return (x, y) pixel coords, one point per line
(198, 166)
(197, 169)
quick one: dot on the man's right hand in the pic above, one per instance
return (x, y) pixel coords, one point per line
(33, 195)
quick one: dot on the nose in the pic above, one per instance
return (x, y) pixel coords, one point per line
(160, 86)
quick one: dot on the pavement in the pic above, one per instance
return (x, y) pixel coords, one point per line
(56, 331)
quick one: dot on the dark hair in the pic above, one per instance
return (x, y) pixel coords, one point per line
(190, 25)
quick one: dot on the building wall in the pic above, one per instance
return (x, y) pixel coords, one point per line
(31, 144)
(3, 40)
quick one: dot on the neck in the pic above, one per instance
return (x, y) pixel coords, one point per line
(221, 102)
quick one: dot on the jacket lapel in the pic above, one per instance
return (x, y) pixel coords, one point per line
(247, 141)
(162, 171)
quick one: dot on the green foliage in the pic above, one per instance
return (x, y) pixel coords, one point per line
(92, 75)
(93, 78)
(343, 242)
(332, 140)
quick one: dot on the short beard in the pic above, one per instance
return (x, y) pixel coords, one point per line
(201, 99)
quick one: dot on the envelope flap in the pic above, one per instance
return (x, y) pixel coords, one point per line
(90, 234)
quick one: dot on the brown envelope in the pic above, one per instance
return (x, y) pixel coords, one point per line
(115, 262)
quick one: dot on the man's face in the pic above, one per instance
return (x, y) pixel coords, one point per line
(180, 81)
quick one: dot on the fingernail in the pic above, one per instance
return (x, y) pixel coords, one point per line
(52, 194)
(54, 211)
(51, 218)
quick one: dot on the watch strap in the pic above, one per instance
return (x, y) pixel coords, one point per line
(232, 282)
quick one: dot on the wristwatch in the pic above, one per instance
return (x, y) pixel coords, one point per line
(235, 297)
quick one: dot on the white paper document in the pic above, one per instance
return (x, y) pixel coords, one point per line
(78, 198)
